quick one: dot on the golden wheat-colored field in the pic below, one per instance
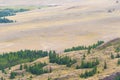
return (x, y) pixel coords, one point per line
(68, 24)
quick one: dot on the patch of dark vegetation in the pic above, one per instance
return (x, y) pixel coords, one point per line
(84, 47)
(89, 73)
(91, 64)
(5, 20)
(12, 75)
(9, 12)
(13, 58)
(37, 69)
(65, 60)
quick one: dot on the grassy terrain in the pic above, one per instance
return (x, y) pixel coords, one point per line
(99, 64)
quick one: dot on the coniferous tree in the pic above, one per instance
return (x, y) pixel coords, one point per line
(12, 75)
(105, 65)
(21, 67)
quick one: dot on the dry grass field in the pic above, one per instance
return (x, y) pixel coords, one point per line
(71, 23)
(60, 24)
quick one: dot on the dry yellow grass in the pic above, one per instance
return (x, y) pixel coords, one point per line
(59, 27)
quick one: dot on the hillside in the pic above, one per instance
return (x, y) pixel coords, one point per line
(107, 65)
(59, 40)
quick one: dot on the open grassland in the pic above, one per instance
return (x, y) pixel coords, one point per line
(62, 26)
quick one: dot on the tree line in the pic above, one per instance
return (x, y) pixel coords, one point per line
(9, 12)
(84, 47)
(13, 58)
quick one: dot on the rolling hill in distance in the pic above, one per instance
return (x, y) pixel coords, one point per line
(70, 27)
(71, 23)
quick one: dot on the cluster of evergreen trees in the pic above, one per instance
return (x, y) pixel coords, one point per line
(23, 56)
(89, 73)
(9, 12)
(65, 60)
(37, 69)
(88, 64)
(84, 47)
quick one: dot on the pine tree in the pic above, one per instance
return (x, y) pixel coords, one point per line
(12, 75)
(21, 67)
(105, 65)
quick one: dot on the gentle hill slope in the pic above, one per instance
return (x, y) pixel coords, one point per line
(105, 62)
